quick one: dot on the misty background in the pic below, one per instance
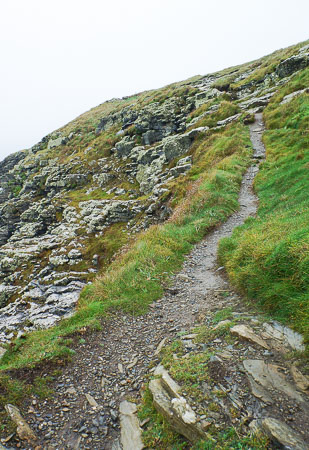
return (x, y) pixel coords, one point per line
(60, 58)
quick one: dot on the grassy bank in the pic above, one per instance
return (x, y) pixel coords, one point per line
(138, 277)
(268, 257)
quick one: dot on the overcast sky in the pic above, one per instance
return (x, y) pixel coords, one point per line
(60, 58)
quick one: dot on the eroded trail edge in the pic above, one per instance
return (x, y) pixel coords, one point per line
(111, 365)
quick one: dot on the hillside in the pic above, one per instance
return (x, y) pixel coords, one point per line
(97, 218)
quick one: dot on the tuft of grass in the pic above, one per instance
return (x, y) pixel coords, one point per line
(230, 439)
(107, 245)
(268, 257)
(190, 372)
(223, 314)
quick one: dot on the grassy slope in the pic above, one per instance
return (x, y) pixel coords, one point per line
(136, 278)
(268, 257)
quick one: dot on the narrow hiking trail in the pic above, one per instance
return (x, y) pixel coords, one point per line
(111, 365)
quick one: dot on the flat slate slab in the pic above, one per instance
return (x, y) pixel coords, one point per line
(301, 381)
(268, 376)
(285, 334)
(131, 433)
(281, 433)
(259, 392)
(245, 332)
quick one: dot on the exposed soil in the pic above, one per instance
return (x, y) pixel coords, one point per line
(111, 365)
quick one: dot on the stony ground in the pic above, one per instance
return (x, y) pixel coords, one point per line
(112, 364)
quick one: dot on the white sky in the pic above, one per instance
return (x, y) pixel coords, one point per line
(60, 58)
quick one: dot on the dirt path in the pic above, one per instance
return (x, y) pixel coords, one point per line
(111, 365)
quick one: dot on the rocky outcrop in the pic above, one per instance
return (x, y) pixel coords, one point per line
(288, 98)
(256, 101)
(269, 377)
(154, 121)
(149, 163)
(205, 96)
(292, 64)
(98, 214)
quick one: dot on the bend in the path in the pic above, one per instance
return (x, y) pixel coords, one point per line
(112, 364)
(205, 274)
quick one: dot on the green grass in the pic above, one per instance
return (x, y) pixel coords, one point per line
(223, 314)
(138, 276)
(268, 257)
(230, 440)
